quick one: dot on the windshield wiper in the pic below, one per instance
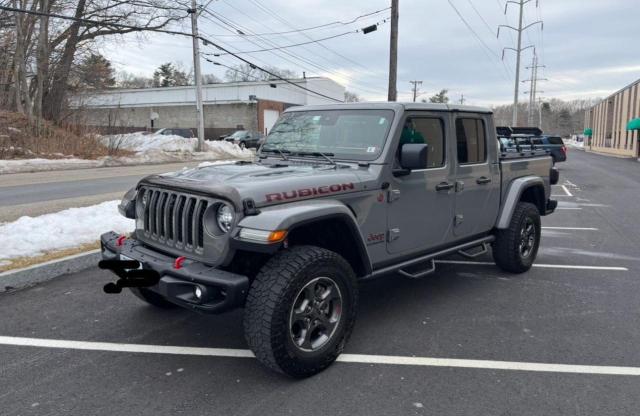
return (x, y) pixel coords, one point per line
(276, 150)
(316, 154)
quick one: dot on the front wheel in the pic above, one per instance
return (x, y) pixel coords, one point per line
(516, 248)
(300, 310)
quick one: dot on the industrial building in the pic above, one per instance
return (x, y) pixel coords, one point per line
(609, 123)
(254, 105)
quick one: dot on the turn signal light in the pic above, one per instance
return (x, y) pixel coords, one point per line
(277, 236)
(262, 236)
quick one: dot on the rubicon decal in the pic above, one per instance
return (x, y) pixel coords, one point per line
(307, 192)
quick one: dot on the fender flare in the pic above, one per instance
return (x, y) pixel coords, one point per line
(291, 216)
(516, 189)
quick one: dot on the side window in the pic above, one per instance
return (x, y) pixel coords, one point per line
(429, 131)
(471, 140)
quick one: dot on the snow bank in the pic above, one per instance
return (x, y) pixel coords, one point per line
(145, 143)
(32, 236)
(149, 148)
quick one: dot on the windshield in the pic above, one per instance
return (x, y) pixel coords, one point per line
(344, 134)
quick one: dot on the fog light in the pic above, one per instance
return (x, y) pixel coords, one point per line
(198, 292)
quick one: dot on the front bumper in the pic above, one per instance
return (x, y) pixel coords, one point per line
(221, 290)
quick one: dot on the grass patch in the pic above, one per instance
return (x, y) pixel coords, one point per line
(21, 138)
(21, 262)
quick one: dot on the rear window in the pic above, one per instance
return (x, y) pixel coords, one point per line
(555, 140)
(471, 141)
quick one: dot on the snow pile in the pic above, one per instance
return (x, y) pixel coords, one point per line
(33, 236)
(219, 151)
(153, 143)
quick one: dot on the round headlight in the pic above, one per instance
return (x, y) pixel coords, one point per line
(225, 217)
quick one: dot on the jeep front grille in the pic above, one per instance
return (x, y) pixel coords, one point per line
(174, 219)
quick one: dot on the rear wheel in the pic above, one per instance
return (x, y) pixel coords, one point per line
(516, 248)
(300, 310)
(151, 298)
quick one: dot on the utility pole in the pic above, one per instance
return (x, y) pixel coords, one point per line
(462, 100)
(196, 68)
(533, 91)
(393, 53)
(518, 50)
(415, 89)
(540, 112)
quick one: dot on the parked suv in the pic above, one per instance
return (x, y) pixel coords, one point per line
(338, 194)
(554, 145)
(244, 138)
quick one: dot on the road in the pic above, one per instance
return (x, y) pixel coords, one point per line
(43, 192)
(577, 311)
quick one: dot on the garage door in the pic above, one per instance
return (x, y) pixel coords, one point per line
(270, 118)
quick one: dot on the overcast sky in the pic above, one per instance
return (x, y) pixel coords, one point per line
(589, 47)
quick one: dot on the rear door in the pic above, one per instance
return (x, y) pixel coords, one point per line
(421, 203)
(477, 175)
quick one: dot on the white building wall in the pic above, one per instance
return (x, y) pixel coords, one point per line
(217, 94)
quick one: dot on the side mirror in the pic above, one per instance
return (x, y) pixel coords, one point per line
(414, 156)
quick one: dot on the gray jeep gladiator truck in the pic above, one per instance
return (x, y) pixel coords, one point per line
(336, 195)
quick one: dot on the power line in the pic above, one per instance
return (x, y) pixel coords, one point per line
(236, 27)
(171, 32)
(286, 23)
(490, 29)
(278, 54)
(482, 18)
(336, 23)
(473, 32)
(310, 42)
(246, 74)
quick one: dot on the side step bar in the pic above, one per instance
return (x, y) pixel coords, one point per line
(484, 247)
(462, 249)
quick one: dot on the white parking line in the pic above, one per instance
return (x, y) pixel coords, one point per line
(573, 208)
(570, 228)
(345, 358)
(539, 265)
(566, 190)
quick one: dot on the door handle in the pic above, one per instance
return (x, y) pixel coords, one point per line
(483, 180)
(444, 186)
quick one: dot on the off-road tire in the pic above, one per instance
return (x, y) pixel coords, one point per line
(152, 298)
(507, 246)
(270, 301)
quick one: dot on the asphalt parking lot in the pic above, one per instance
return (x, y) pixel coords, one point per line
(561, 339)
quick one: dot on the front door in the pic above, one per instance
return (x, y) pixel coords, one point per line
(421, 203)
(477, 178)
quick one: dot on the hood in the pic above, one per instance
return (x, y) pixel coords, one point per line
(266, 184)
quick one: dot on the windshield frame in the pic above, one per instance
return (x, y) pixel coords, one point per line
(389, 113)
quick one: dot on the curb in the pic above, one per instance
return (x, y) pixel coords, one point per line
(38, 273)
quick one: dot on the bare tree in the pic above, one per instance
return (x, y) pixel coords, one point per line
(142, 15)
(351, 97)
(246, 72)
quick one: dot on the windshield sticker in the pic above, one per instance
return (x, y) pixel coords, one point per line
(371, 149)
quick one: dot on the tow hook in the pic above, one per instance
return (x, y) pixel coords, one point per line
(129, 274)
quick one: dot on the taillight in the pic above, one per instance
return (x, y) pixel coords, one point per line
(564, 149)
